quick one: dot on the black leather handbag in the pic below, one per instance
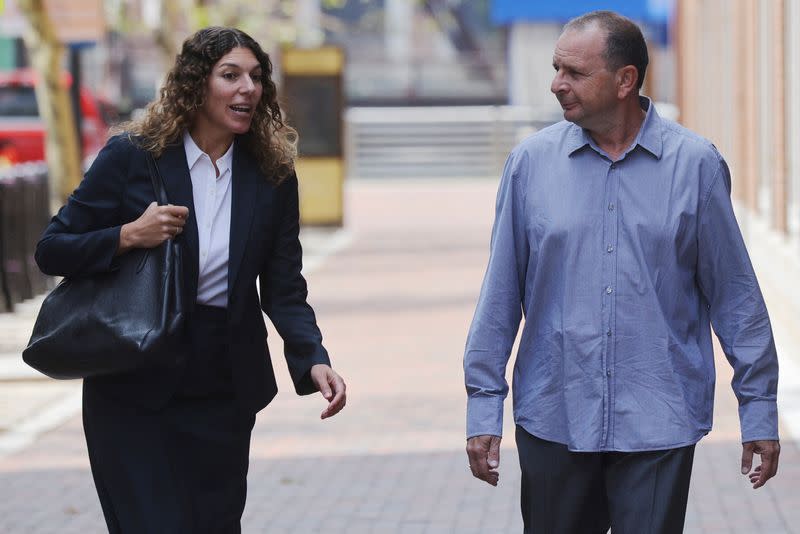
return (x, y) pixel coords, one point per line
(113, 322)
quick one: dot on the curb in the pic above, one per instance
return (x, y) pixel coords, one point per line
(13, 369)
(25, 433)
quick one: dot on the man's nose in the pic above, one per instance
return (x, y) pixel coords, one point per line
(557, 85)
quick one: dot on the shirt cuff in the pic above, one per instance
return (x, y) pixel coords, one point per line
(484, 416)
(303, 385)
(759, 420)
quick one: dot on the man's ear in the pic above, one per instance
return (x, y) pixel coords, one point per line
(627, 81)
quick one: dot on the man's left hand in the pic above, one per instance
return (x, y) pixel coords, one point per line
(332, 387)
(769, 452)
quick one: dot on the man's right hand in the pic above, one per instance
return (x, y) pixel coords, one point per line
(484, 458)
(153, 227)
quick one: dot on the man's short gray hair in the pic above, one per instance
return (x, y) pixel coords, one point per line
(625, 44)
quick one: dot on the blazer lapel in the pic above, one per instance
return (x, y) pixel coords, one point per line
(246, 176)
(178, 184)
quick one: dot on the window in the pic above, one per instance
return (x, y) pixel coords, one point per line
(18, 102)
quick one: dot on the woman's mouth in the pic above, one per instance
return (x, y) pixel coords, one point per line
(241, 109)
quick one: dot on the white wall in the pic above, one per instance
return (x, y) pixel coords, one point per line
(793, 114)
(530, 65)
(766, 109)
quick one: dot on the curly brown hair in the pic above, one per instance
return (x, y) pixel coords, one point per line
(271, 141)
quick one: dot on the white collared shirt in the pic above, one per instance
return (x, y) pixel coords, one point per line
(212, 206)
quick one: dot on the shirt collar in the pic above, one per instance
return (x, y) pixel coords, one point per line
(193, 153)
(649, 136)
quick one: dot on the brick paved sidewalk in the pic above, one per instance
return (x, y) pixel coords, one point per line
(394, 307)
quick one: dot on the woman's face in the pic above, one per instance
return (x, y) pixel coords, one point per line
(233, 90)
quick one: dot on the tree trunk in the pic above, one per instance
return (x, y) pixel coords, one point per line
(46, 54)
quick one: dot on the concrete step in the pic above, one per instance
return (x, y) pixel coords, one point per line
(435, 141)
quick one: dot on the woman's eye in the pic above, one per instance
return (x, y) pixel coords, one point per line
(229, 75)
(256, 78)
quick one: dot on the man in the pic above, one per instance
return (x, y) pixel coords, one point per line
(615, 238)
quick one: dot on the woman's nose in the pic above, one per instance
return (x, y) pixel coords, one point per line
(247, 85)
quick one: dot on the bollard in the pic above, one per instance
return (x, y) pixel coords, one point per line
(15, 233)
(5, 295)
(24, 214)
(43, 217)
(31, 179)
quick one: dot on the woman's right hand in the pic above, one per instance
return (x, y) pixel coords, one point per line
(153, 227)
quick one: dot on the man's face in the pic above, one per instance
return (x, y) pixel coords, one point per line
(583, 85)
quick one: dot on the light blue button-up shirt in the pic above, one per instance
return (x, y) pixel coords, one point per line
(619, 269)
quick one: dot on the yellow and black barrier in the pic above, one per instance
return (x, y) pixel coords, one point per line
(313, 98)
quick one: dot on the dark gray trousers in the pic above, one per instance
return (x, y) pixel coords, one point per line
(183, 468)
(588, 493)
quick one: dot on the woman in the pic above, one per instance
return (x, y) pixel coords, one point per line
(169, 445)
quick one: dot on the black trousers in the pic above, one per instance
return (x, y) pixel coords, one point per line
(567, 492)
(182, 469)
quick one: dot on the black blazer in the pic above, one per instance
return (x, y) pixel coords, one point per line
(83, 238)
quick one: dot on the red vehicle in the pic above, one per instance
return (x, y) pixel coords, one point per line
(22, 130)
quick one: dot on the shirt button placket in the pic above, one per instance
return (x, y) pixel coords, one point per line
(609, 275)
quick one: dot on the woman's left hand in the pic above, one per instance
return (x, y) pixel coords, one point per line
(332, 387)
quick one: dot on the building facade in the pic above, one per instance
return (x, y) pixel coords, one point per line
(738, 72)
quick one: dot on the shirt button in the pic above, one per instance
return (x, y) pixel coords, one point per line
(609, 290)
(608, 333)
(608, 372)
(610, 248)
(611, 207)
(613, 165)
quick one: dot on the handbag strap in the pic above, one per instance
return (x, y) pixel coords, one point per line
(155, 179)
